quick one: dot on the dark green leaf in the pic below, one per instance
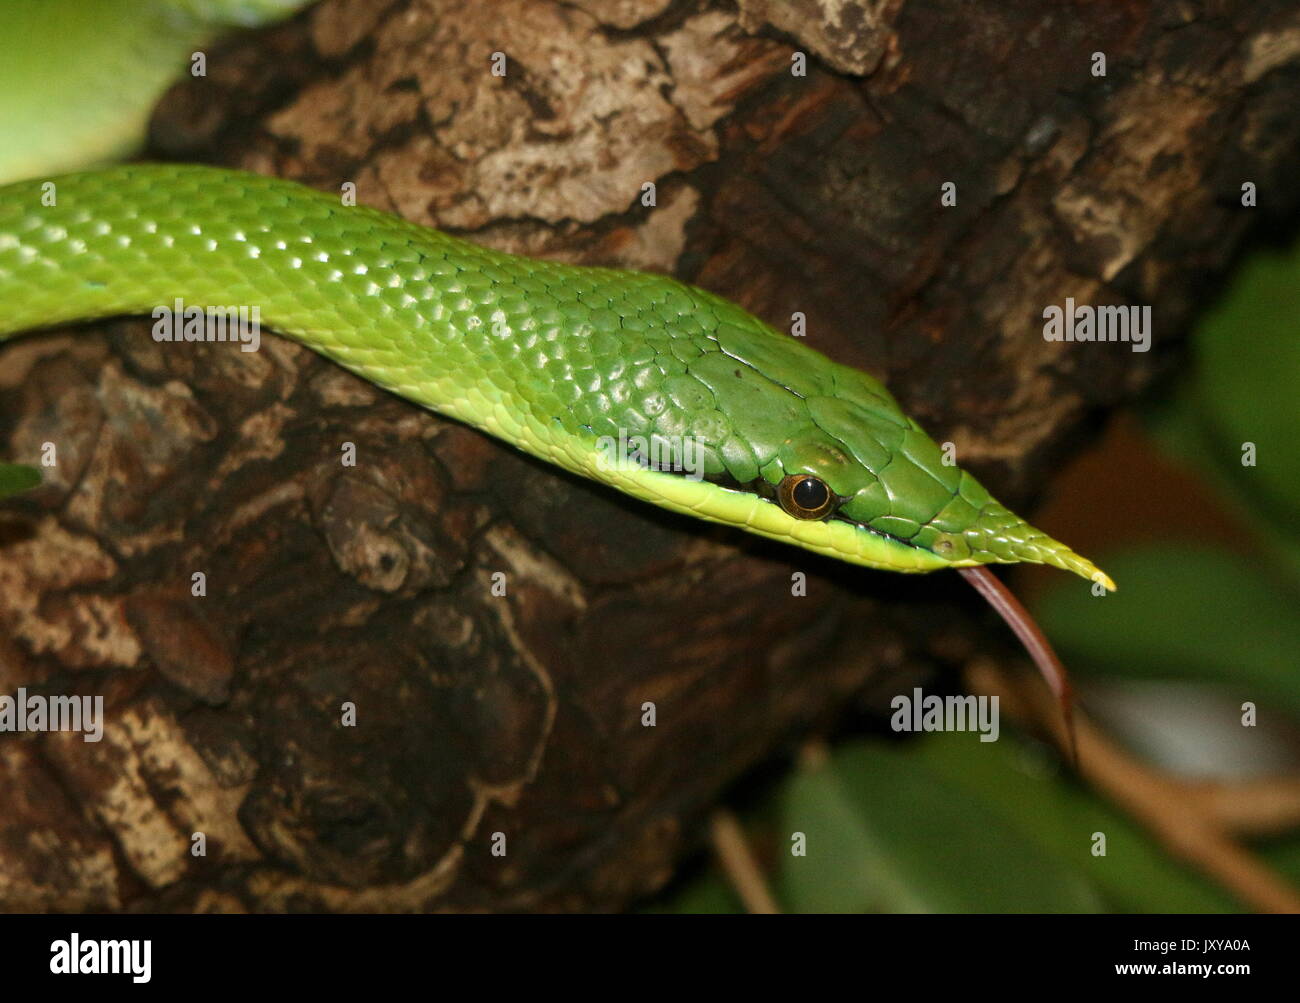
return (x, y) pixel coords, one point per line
(886, 833)
(15, 478)
(1184, 613)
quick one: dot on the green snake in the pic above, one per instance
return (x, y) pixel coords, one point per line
(555, 359)
(552, 358)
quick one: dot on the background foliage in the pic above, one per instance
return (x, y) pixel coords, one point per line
(944, 823)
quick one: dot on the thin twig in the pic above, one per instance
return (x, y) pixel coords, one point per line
(738, 861)
(1266, 807)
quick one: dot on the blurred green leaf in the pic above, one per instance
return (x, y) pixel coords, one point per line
(1247, 370)
(1060, 817)
(886, 833)
(1283, 854)
(1241, 390)
(16, 477)
(1184, 612)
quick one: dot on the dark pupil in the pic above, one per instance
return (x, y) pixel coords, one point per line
(810, 493)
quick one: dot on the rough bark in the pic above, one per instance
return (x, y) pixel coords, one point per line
(521, 714)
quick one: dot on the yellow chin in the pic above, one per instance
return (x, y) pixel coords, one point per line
(837, 539)
(743, 510)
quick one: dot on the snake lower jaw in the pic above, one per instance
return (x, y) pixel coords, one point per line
(1059, 557)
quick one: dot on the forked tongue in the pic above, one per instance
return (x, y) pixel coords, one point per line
(1036, 644)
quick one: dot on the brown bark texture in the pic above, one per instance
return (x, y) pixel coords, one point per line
(372, 585)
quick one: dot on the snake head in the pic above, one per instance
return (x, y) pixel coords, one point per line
(992, 534)
(892, 499)
(894, 482)
(910, 506)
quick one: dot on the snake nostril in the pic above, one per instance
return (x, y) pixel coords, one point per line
(950, 546)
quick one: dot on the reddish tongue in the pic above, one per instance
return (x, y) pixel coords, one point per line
(1031, 636)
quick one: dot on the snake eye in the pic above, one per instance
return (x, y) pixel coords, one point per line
(806, 497)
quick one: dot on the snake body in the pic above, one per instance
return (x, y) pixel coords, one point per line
(79, 80)
(555, 359)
